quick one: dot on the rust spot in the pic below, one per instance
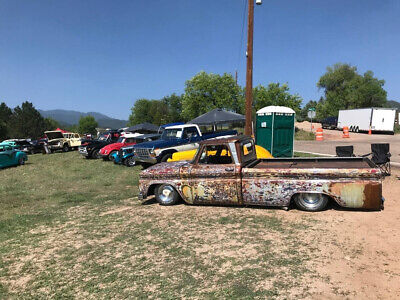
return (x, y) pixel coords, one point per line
(373, 196)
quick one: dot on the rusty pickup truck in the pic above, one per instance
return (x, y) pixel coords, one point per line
(227, 171)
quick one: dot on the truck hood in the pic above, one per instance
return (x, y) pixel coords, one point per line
(112, 147)
(163, 170)
(159, 144)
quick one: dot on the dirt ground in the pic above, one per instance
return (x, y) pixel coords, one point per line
(361, 250)
(361, 141)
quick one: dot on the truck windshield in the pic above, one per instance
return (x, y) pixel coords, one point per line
(104, 136)
(170, 134)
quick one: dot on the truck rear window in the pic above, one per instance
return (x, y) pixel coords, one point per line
(215, 155)
(248, 151)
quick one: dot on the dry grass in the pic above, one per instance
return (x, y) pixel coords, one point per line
(71, 227)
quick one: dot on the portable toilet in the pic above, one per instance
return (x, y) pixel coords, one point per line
(275, 130)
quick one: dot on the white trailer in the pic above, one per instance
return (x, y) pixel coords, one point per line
(364, 119)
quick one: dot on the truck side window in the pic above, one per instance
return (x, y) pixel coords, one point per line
(215, 155)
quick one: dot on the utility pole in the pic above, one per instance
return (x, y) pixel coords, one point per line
(248, 130)
(236, 76)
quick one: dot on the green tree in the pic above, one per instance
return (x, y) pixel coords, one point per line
(5, 118)
(275, 94)
(140, 112)
(206, 91)
(304, 111)
(26, 122)
(344, 88)
(51, 124)
(174, 106)
(87, 124)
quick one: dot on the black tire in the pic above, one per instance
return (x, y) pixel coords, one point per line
(311, 201)
(110, 156)
(21, 161)
(166, 195)
(95, 154)
(65, 148)
(130, 161)
(357, 129)
(166, 157)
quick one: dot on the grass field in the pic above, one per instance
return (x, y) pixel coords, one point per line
(71, 227)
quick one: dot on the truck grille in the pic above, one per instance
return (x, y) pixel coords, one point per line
(142, 152)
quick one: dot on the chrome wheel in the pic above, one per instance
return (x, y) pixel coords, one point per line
(311, 201)
(166, 195)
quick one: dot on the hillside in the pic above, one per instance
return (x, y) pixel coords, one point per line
(393, 104)
(71, 117)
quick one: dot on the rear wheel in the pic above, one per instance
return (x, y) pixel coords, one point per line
(95, 154)
(166, 194)
(311, 201)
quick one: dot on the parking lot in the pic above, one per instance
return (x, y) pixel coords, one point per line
(361, 142)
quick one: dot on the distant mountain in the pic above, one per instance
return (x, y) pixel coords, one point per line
(71, 117)
(393, 104)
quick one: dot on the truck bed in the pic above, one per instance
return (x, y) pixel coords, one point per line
(313, 163)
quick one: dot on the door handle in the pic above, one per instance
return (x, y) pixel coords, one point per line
(229, 169)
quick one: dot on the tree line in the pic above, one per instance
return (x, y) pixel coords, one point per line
(25, 121)
(206, 91)
(342, 85)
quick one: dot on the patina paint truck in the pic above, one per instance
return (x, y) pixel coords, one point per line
(226, 171)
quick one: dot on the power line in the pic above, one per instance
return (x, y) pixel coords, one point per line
(242, 33)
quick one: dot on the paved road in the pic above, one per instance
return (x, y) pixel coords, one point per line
(361, 142)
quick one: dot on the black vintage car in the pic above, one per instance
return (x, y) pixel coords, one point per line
(329, 123)
(91, 148)
(29, 147)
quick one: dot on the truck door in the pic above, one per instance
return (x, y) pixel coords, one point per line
(215, 178)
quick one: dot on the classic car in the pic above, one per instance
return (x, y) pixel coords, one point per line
(127, 139)
(58, 140)
(11, 157)
(91, 148)
(239, 178)
(126, 155)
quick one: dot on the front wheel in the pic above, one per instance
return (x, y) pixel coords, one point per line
(130, 161)
(21, 161)
(166, 194)
(166, 157)
(65, 148)
(111, 156)
(311, 201)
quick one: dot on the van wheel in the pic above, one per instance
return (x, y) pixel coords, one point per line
(65, 148)
(166, 157)
(166, 194)
(311, 201)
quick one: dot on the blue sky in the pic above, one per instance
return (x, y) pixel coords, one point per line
(103, 55)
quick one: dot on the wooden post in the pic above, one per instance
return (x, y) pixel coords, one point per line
(248, 130)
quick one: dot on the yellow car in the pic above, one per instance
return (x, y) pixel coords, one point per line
(189, 155)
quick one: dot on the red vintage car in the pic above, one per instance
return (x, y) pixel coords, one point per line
(125, 140)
